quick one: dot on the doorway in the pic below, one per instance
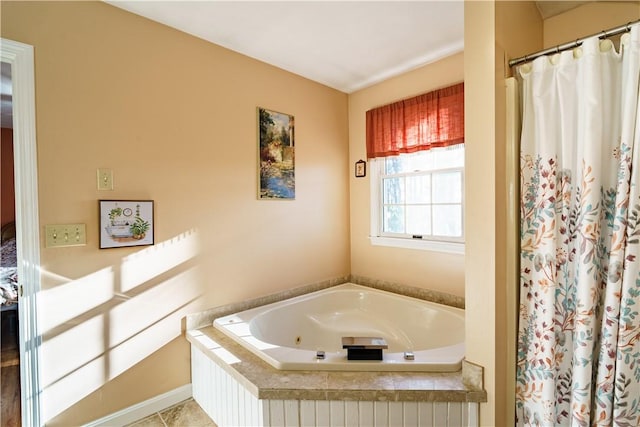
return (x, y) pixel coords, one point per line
(9, 341)
(20, 58)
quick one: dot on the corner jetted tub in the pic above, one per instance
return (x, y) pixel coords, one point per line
(291, 333)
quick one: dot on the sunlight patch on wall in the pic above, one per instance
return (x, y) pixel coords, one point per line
(149, 321)
(94, 330)
(73, 299)
(69, 369)
(142, 266)
(143, 311)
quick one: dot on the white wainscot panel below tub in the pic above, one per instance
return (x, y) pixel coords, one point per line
(229, 403)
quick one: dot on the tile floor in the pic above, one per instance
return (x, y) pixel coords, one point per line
(184, 414)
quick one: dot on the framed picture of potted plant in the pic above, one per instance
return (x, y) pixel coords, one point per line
(126, 223)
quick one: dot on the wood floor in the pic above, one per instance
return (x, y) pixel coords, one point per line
(9, 374)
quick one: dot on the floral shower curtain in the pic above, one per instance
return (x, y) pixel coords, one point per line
(578, 360)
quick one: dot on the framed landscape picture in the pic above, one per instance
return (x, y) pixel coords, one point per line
(126, 223)
(276, 155)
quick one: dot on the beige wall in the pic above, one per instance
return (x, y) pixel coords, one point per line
(426, 269)
(588, 19)
(518, 31)
(175, 118)
(494, 33)
(480, 197)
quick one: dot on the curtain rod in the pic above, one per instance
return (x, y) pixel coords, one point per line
(571, 45)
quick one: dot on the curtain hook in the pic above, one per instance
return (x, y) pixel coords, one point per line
(629, 26)
(604, 34)
(558, 48)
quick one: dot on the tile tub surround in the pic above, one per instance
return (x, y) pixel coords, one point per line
(206, 318)
(410, 291)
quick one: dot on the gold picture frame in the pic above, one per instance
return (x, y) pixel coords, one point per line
(276, 148)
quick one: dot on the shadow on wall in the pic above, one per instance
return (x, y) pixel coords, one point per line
(96, 327)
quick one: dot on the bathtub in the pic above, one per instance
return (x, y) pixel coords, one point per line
(290, 334)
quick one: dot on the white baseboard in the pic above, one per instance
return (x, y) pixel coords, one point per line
(144, 409)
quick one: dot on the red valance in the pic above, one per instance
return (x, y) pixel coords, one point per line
(434, 119)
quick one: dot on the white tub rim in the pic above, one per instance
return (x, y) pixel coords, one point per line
(442, 359)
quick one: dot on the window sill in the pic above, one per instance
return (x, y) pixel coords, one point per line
(425, 245)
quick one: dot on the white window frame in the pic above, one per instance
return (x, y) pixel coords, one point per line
(429, 243)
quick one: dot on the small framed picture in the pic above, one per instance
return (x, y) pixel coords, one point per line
(126, 223)
(361, 169)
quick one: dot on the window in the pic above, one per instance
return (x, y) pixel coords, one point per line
(416, 154)
(419, 197)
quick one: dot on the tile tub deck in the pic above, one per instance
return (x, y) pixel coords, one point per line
(237, 388)
(267, 382)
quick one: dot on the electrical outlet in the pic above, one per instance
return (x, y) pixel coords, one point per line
(105, 179)
(58, 235)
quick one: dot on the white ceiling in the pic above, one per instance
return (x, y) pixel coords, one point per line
(346, 45)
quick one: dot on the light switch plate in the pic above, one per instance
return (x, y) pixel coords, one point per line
(59, 235)
(105, 179)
